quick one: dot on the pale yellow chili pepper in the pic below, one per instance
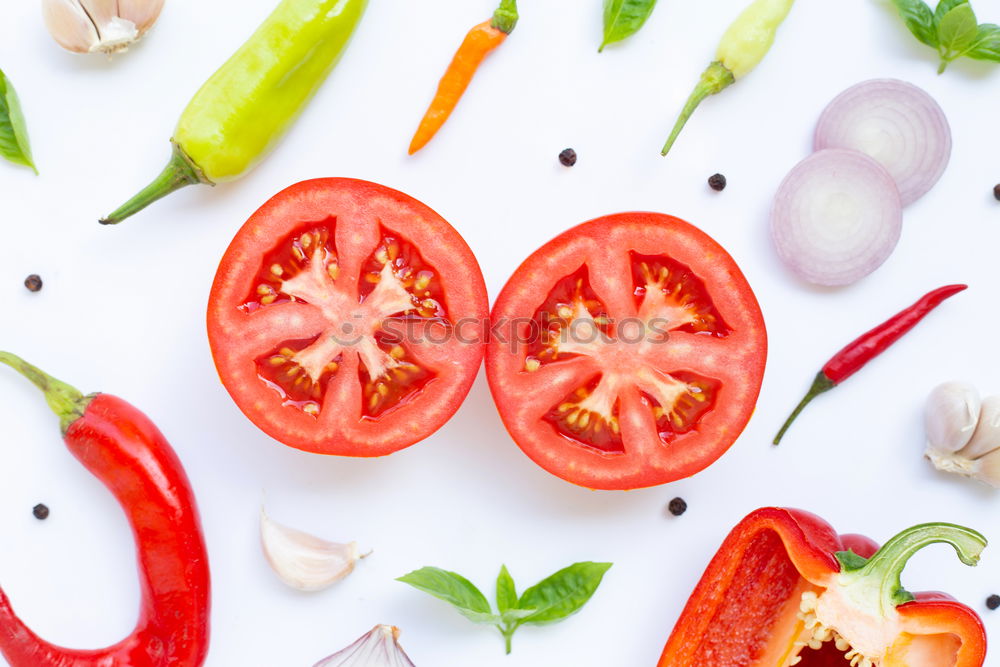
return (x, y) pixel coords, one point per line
(744, 45)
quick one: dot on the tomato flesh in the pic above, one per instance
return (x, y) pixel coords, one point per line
(319, 314)
(641, 362)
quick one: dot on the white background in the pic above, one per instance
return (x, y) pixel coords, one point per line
(123, 311)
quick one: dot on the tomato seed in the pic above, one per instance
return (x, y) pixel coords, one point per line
(993, 602)
(33, 282)
(717, 182)
(568, 157)
(677, 506)
(40, 511)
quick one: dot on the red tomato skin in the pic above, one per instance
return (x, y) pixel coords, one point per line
(645, 233)
(352, 202)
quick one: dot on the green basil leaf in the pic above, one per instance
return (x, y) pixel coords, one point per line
(919, 18)
(14, 144)
(957, 30)
(562, 594)
(624, 18)
(506, 591)
(454, 589)
(987, 44)
(945, 6)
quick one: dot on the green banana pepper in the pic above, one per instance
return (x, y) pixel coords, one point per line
(242, 111)
(744, 45)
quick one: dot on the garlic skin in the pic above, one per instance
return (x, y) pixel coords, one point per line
(303, 561)
(378, 648)
(104, 26)
(963, 433)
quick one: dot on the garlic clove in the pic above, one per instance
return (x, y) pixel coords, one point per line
(70, 25)
(303, 561)
(986, 438)
(378, 648)
(950, 417)
(106, 26)
(143, 13)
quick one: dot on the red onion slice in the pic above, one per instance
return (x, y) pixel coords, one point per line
(837, 217)
(898, 124)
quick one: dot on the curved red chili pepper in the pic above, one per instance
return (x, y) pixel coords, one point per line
(869, 345)
(124, 449)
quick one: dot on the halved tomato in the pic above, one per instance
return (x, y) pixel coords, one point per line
(627, 352)
(347, 318)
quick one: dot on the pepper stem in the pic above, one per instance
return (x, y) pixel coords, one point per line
(885, 568)
(181, 171)
(716, 78)
(505, 17)
(820, 385)
(67, 402)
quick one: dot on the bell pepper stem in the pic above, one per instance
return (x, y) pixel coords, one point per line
(714, 80)
(66, 401)
(181, 171)
(820, 385)
(505, 17)
(883, 570)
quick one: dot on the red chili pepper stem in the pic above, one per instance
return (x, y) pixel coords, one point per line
(66, 401)
(819, 386)
(877, 580)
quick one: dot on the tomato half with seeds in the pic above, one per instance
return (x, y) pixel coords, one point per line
(627, 352)
(347, 318)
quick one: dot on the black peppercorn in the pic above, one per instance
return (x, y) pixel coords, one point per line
(993, 602)
(717, 182)
(677, 506)
(996, 191)
(41, 512)
(568, 157)
(33, 282)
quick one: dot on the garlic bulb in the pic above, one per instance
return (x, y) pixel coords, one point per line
(379, 648)
(963, 434)
(106, 26)
(303, 561)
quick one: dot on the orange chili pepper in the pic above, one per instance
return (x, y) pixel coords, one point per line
(480, 41)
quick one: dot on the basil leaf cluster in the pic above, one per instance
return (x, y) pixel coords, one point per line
(553, 599)
(952, 28)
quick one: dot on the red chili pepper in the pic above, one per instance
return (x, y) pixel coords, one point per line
(869, 345)
(785, 589)
(125, 450)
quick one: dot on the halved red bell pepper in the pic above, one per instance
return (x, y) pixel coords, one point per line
(785, 589)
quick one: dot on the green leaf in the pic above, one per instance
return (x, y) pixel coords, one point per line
(14, 144)
(624, 18)
(945, 6)
(957, 30)
(987, 44)
(562, 594)
(919, 18)
(454, 589)
(506, 591)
